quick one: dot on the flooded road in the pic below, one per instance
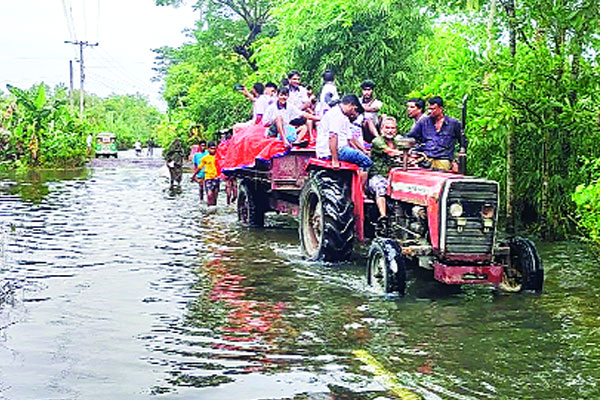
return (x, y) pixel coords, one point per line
(111, 288)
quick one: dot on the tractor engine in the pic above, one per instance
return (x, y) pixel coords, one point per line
(407, 222)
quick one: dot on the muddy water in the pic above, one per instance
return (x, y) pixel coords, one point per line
(112, 288)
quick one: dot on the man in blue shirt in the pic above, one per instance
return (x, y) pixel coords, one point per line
(202, 151)
(437, 135)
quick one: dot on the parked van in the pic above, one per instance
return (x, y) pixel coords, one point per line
(106, 145)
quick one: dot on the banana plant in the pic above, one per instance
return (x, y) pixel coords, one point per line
(34, 119)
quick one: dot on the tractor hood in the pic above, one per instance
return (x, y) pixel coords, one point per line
(419, 186)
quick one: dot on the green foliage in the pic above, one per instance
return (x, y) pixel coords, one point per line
(358, 40)
(130, 117)
(40, 128)
(587, 199)
(550, 104)
(199, 84)
(542, 94)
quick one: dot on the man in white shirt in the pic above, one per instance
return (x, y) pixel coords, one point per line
(279, 115)
(333, 135)
(372, 107)
(260, 103)
(298, 94)
(299, 97)
(329, 94)
(271, 92)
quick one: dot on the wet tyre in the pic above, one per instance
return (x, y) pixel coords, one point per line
(326, 218)
(250, 205)
(524, 270)
(386, 270)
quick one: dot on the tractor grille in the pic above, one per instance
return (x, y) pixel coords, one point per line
(471, 238)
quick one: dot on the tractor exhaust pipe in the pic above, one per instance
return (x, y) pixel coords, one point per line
(462, 156)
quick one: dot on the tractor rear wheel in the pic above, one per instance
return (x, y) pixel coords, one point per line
(326, 219)
(524, 270)
(386, 271)
(250, 205)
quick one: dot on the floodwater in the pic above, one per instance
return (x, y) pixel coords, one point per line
(112, 288)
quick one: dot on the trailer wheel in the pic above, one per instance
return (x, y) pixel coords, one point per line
(250, 205)
(524, 270)
(326, 219)
(386, 270)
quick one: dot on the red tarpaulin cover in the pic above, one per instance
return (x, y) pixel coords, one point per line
(245, 147)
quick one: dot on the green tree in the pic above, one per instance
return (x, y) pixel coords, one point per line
(250, 17)
(40, 128)
(524, 101)
(357, 40)
(130, 117)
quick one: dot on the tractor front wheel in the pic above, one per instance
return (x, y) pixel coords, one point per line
(386, 271)
(326, 219)
(524, 270)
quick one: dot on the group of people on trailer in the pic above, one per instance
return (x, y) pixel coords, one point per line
(291, 111)
(350, 128)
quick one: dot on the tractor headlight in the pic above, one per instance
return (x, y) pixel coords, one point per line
(487, 215)
(487, 211)
(456, 210)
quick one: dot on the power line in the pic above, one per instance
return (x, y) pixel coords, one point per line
(116, 80)
(98, 21)
(69, 28)
(72, 20)
(85, 20)
(124, 72)
(81, 45)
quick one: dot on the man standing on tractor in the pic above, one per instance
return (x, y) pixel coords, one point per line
(298, 97)
(415, 108)
(437, 135)
(371, 105)
(383, 152)
(333, 135)
(329, 94)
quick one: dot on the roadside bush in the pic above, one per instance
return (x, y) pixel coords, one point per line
(587, 200)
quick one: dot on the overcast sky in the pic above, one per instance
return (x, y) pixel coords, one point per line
(32, 48)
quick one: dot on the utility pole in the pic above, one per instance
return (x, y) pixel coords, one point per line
(81, 44)
(71, 82)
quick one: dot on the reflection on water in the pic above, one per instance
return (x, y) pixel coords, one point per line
(110, 287)
(31, 185)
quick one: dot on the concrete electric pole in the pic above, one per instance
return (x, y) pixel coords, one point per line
(71, 82)
(81, 44)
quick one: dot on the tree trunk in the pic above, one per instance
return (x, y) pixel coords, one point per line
(509, 6)
(544, 194)
(490, 28)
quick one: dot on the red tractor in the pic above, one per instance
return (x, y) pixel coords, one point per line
(442, 221)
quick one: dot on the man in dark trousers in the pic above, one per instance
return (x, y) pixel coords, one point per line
(175, 157)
